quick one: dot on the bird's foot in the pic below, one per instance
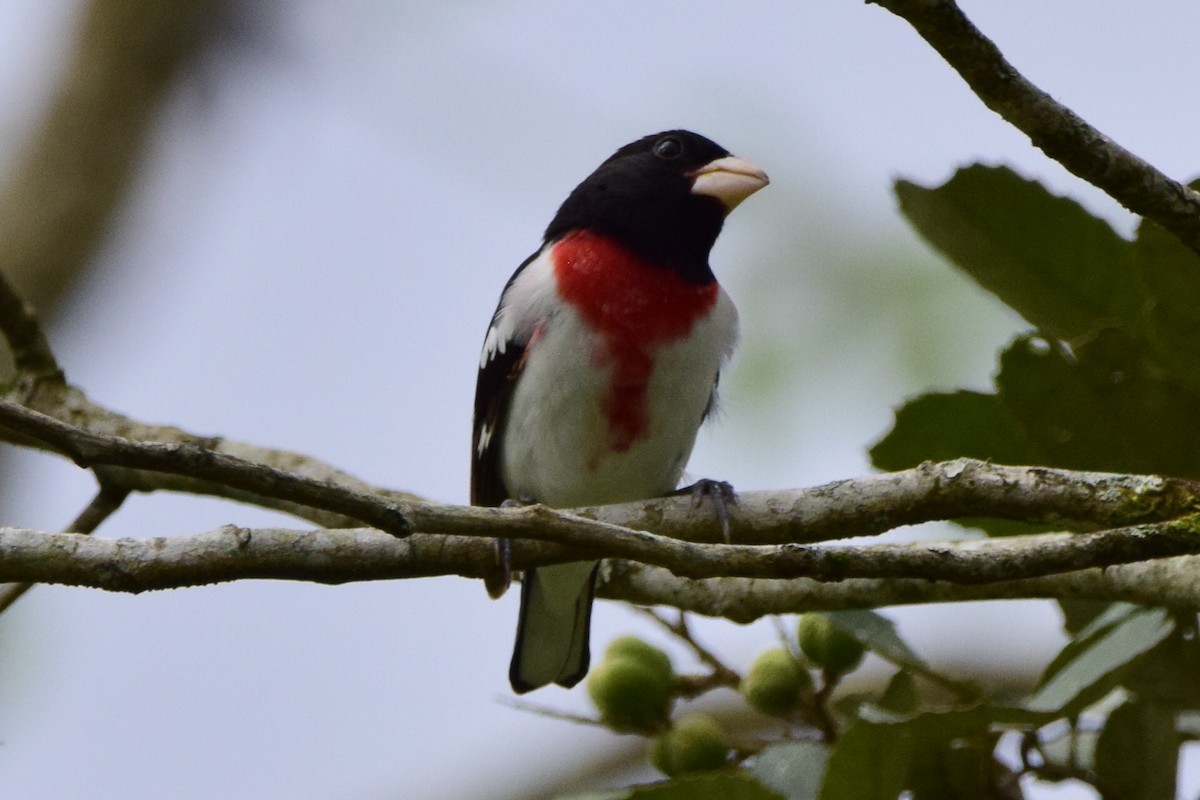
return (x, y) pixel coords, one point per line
(719, 493)
(498, 581)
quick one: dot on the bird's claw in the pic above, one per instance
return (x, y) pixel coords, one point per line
(720, 494)
(498, 581)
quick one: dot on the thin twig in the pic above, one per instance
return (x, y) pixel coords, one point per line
(1059, 132)
(21, 329)
(722, 675)
(103, 505)
(89, 449)
(551, 713)
(107, 501)
(822, 719)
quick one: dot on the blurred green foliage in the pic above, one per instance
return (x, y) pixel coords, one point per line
(1106, 378)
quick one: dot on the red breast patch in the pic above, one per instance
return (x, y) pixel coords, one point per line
(635, 307)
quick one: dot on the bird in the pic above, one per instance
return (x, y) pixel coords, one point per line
(602, 361)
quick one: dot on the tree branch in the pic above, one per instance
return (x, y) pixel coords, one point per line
(89, 449)
(1143, 517)
(841, 509)
(102, 506)
(1170, 582)
(31, 352)
(860, 507)
(1059, 132)
(337, 556)
(63, 402)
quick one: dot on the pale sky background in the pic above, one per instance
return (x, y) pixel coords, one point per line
(315, 243)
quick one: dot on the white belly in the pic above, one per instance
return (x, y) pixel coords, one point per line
(558, 445)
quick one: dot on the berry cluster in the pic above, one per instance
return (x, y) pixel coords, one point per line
(635, 689)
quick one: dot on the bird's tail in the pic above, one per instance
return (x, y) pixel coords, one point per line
(552, 632)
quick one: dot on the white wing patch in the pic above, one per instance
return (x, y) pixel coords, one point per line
(529, 300)
(485, 439)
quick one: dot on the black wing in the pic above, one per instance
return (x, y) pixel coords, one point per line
(493, 392)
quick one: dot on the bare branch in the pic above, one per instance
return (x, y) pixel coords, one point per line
(1169, 582)
(722, 674)
(860, 507)
(130, 456)
(337, 556)
(67, 403)
(20, 327)
(191, 459)
(231, 553)
(1059, 132)
(102, 506)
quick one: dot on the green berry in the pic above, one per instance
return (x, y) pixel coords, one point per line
(630, 695)
(696, 743)
(828, 647)
(775, 683)
(635, 648)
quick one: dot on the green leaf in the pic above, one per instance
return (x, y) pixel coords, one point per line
(793, 769)
(1110, 615)
(955, 768)
(870, 762)
(901, 695)
(1115, 383)
(941, 427)
(1070, 684)
(1169, 273)
(1138, 752)
(1104, 406)
(728, 785)
(883, 754)
(1064, 270)
(1170, 673)
(1089, 637)
(945, 426)
(1079, 613)
(878, 634)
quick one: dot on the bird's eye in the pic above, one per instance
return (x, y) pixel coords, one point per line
(668, 147)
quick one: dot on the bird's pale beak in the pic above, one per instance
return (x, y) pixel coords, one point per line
(730, 179)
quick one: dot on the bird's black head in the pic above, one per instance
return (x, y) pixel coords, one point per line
(664, 197)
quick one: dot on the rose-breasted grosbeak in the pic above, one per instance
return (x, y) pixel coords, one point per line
(601, 362)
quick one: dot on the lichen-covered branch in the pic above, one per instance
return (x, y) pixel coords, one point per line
(1132, 519)
(193, 460)
(1055, 129)
(334, 556)
(1170, 582)
(860, 507)
(62, 402)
